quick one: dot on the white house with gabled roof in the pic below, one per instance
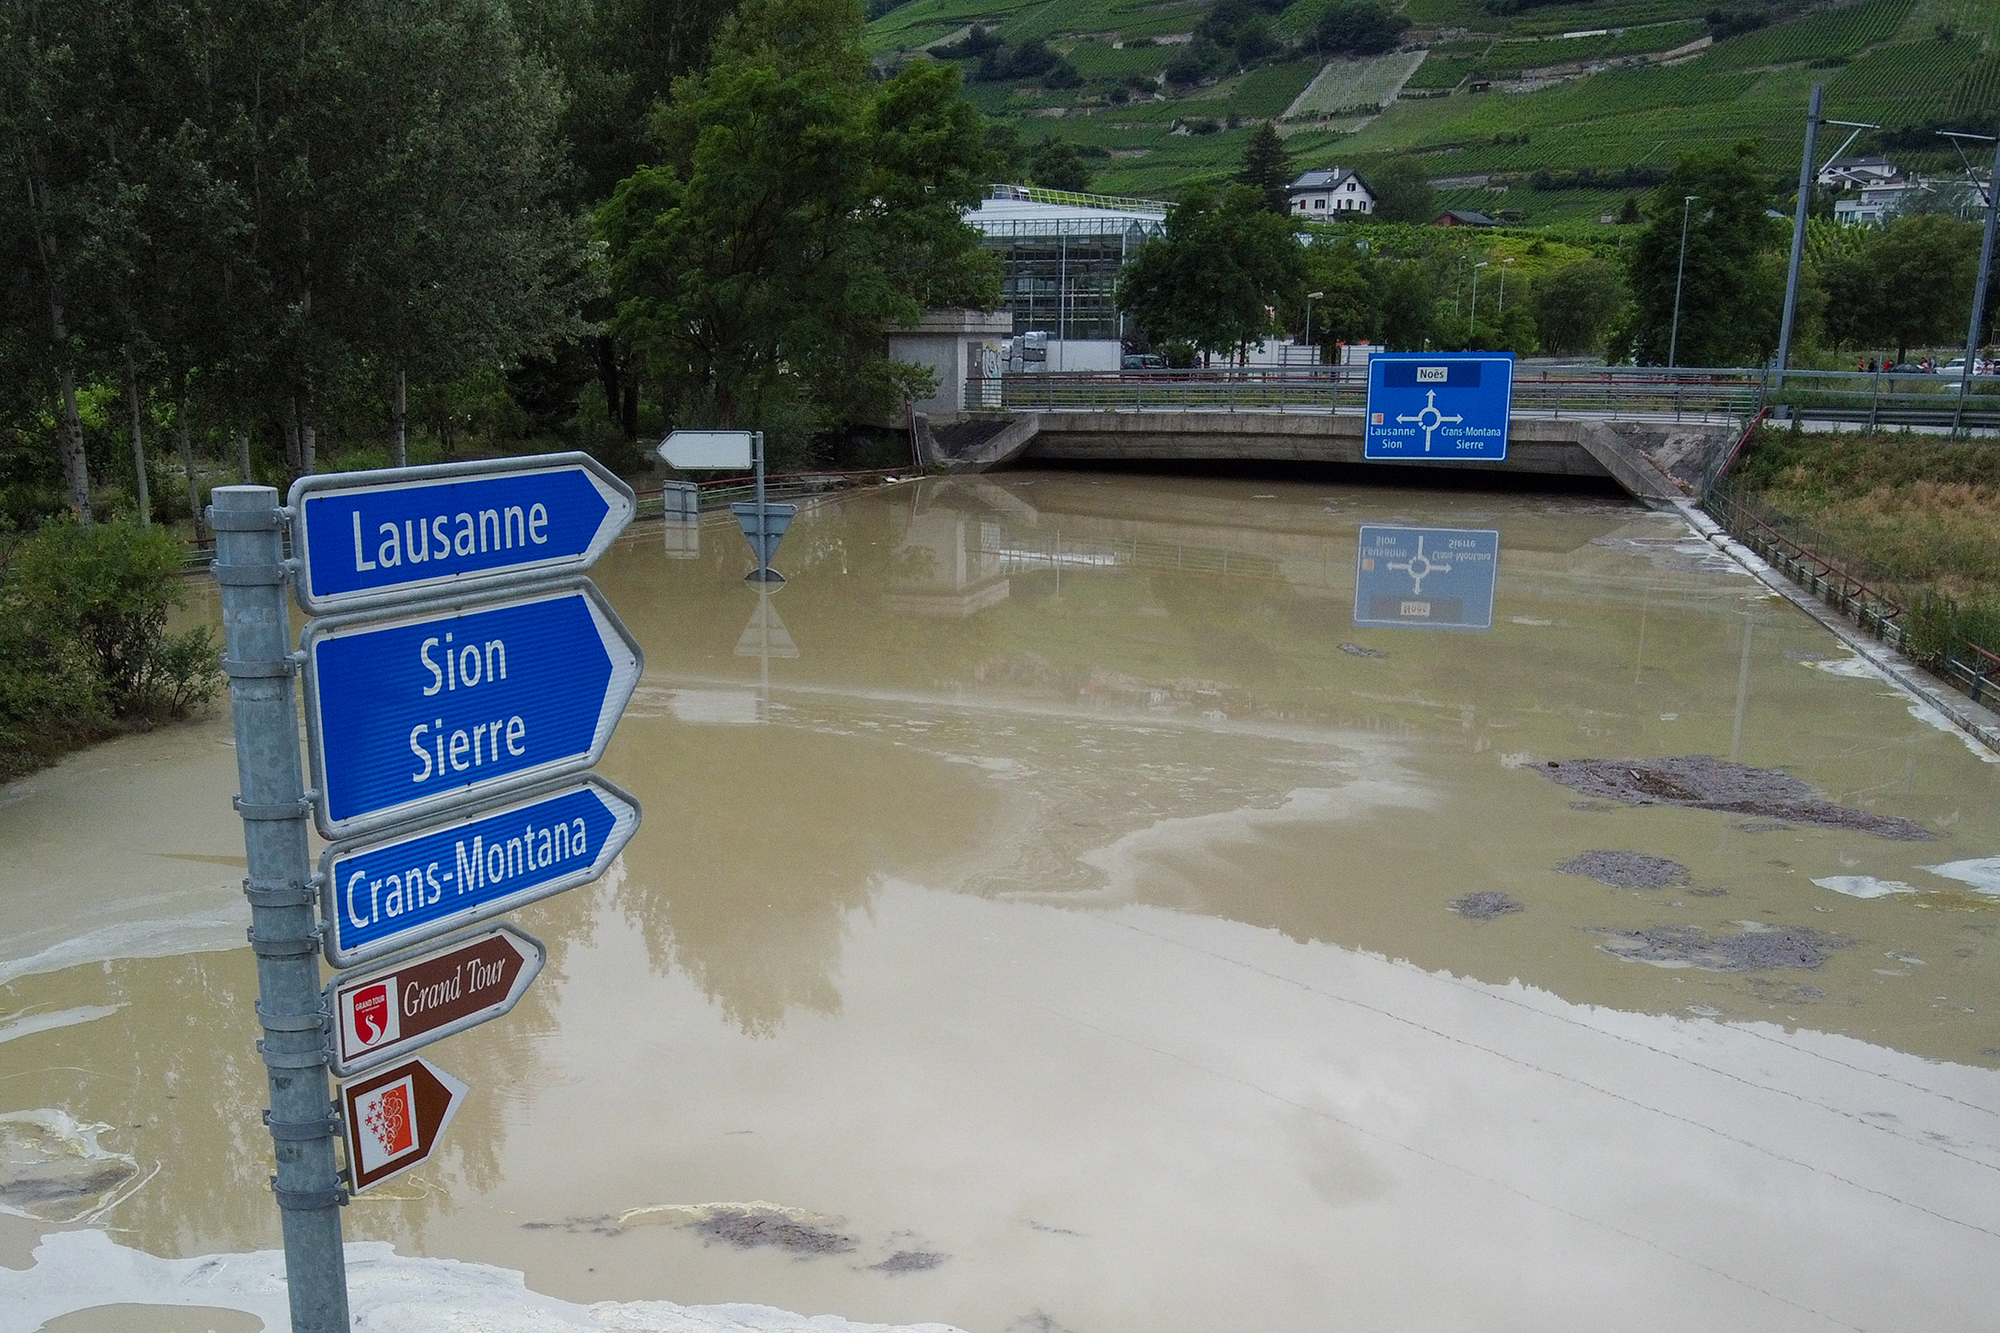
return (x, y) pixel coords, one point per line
(1329, 193)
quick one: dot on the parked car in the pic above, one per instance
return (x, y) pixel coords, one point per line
(1143, 361)
(1955, 368)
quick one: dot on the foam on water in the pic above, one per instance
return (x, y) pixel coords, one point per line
(1864, 886)
(387, 1293)
(29, 1024)
(1982, 873)
(1857, 667)
(200, 932)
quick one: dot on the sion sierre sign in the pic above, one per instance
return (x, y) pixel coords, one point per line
(418, 713)
(389, 1012)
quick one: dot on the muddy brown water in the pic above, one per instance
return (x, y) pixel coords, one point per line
(1017, 785)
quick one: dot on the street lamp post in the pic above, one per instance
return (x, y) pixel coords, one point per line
(1472, 324)
(1503, 284)
(1310, 298)
(1680, 272)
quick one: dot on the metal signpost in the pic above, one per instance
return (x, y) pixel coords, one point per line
(1426, 578)
(453, 703)
(763, 524)
(1443, 405)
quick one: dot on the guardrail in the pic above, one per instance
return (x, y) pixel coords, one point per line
(1866, 399)
(1875, 398)
(1610, 391)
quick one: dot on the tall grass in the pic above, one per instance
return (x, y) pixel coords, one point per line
(1925, 510)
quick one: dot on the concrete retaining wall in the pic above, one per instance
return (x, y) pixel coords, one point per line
(1654, 461)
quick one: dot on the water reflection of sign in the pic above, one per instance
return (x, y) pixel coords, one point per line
(1426, 578)
(766, 635)
(1425, 405)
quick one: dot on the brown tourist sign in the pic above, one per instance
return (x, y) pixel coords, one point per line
(395, 1119)
(382, 1014)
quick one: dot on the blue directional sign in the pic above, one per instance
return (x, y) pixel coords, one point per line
(418, 713)
(1426, 578)
(764, 526)
(383, 895)
(1439, 406)
(363, 537)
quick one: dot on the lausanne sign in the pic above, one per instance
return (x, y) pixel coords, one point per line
(363, 538)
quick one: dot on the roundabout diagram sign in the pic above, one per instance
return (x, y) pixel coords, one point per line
(1438, 406)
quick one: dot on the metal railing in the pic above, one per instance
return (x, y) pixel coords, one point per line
(1848, 580)
(719, 492)
(1877, 398)
(1865, 399)
(1596, 391)
(1866, 591)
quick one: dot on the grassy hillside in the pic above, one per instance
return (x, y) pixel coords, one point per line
(1593, 87)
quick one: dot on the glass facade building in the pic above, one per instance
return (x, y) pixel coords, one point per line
(1060, 256)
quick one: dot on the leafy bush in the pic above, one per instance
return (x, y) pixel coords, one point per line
(84, 643)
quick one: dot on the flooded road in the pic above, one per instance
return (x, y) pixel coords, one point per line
(1053, 911)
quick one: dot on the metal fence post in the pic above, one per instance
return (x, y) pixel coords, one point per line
(249, 564)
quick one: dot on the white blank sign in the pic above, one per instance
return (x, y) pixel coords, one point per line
(694, 450)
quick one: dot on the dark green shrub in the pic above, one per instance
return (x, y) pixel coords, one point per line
(99, 596)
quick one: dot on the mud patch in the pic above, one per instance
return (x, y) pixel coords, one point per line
(1356, 650)
(910, 1261)
(750, 1230)
(1484, 905)
(1746, 951)
(1703, 782)
(1627, 870)
(747, 1226)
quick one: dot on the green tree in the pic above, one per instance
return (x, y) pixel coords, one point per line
(1359, 28)
(1211, 280)
(798, 212)
(1726, 299)
(1409, 310)
(1349, 307)
(1402, 192)
(1923, 270)
(1267, 167)
(1056, 165)
(1575, 306)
